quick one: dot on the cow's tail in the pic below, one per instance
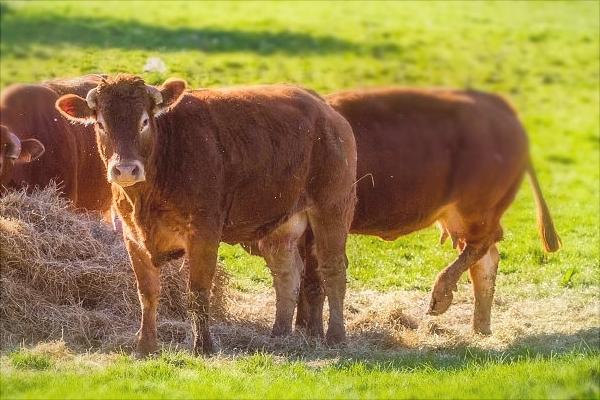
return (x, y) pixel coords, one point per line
(550, 238)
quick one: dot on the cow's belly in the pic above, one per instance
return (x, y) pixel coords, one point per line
(393, 228)
(257, 211)
(254, 230)
(390, 211)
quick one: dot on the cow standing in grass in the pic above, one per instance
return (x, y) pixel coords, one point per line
(424, 156)
(189, 170)
(70, 158)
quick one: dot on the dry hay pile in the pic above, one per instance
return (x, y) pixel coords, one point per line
(66, 275)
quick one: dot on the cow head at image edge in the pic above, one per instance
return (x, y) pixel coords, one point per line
(14, 151)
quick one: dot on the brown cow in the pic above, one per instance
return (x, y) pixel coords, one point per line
(15, 151)
(71, 157)
(233, 165)
(447, 156)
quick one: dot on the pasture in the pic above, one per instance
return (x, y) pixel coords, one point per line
(543, 56)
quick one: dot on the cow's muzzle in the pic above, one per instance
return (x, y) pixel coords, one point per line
(126, 173)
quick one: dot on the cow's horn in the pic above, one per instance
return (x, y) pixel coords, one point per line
(91, 98)
(155, 93)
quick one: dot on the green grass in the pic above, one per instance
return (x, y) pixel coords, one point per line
(179, 375)
(544, 56)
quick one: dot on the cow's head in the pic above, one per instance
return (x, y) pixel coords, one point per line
(13, 151)
(123, 110)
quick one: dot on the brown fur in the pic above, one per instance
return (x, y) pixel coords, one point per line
(251, 164)
(71, 158)
(451, 156)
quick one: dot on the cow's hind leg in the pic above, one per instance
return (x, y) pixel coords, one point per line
(330, 229)
(483, 277)
(483, 273)
(202, 254)
(312, 294)
(280, 250)
(302, 304)
(472, 234)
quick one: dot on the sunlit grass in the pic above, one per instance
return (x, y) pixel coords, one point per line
(459, 374)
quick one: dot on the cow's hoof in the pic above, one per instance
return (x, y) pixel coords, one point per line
(335, 337)
(483, 329)
(439, 304)
(204, 347)
(301, 325)
(315, 331)
(145, 348)
(280, 330)
(441, 297)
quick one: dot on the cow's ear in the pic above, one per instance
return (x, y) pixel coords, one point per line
(12, 143)
(31, 149)
(171, 91)
(75, 108)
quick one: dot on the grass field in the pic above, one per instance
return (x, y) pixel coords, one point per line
(544, 56)
(179, 375)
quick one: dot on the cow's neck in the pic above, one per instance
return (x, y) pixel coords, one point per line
(144, 193)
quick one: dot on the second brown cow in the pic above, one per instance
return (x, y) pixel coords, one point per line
(70, 157)
(190, 170)
(424, 156)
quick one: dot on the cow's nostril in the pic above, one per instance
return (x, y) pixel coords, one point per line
(135, 170)
(116, 171)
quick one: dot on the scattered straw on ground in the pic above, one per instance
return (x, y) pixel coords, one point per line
(66, 276)
(396, 322)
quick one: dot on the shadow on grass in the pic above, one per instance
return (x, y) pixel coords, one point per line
(22, 30)
(538, 347)
(584, 342)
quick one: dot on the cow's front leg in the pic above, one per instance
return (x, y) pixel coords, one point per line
(202, 254)
(447, 280)
(148, 284)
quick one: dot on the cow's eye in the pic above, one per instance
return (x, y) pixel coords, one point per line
(144, 123)
(100, 125)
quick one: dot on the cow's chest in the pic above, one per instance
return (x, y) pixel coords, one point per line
(162, 231)
(168, 235)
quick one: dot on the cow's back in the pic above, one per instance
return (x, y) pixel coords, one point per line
(420, 151)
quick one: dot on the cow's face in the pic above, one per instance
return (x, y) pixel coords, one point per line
(13, 151)
(124, 110)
